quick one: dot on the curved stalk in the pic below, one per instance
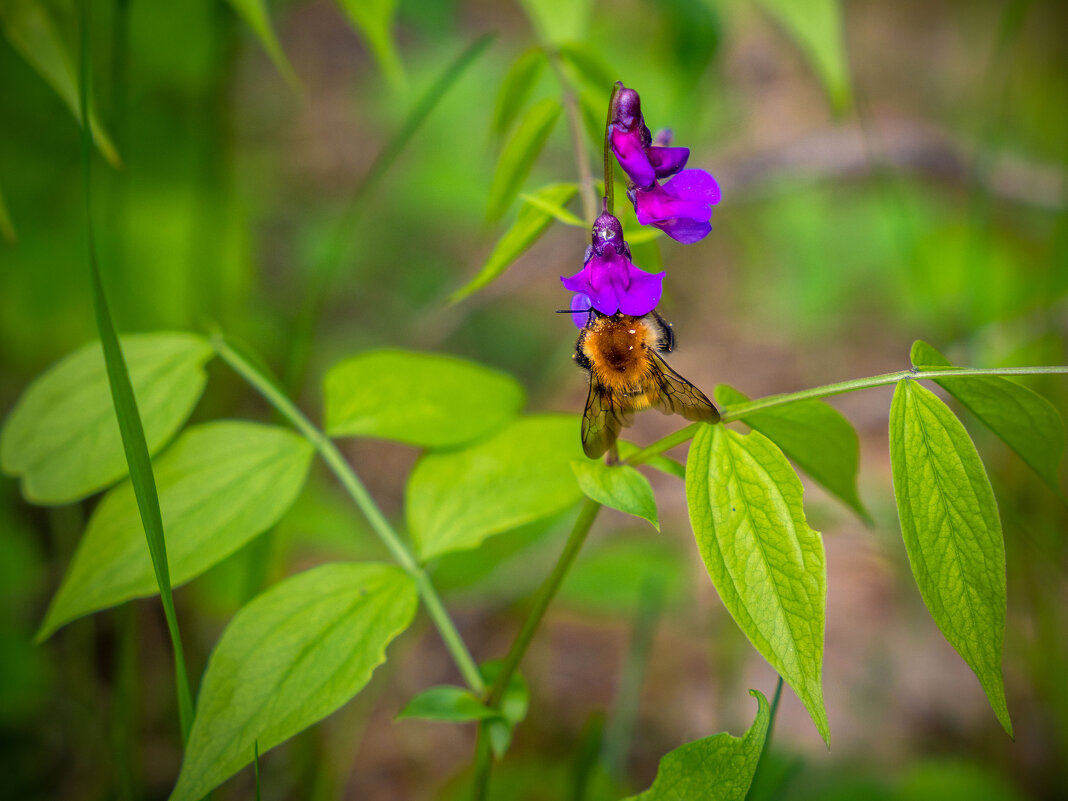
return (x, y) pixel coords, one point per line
(359, 494)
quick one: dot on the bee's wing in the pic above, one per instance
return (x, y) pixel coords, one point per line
(602, 420)
(677, 395)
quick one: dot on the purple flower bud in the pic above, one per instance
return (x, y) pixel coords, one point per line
(607, 232)
(627, 109)
(681, 208)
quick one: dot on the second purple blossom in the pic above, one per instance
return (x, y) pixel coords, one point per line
(682, 206)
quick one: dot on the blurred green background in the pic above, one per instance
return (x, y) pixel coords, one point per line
(890, 171)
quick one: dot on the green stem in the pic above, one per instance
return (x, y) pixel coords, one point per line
(359, 494)
(546, 593)
(737, 412)
(609, 164)
(574, 124)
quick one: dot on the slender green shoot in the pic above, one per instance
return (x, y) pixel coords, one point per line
(342, 243)
(609, 163)
(129, 418)
(767, 740)
(245, 367)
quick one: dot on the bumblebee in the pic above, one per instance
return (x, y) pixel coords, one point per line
(621, 353)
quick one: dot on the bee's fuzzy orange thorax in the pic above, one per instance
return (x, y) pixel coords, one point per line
(617, 349)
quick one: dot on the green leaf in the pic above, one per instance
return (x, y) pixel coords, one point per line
(519, 154)
(422, 399)
(559, 21)
(949, 521)
(818, 29)
(255, 15)
(62, 438)
(456, 499)
(374, 19)
(287, 660)
(30, 30)
(555, 210)
(719, 767)
(455, 704)
(514, 704)
(7, 227)
(1021, 418)
(530, 224)
(617, 487)
(590, 67)
(516, 87)
(816, 436)
(766, 563)
(220, 484)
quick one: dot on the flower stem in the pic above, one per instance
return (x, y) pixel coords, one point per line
(582, 158)
(359, 494)
(609, 166)
(547, 591)
(737, 412)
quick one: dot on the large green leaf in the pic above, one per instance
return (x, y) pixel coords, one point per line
(288, 659)
(818, 29)
(220, 484)
(766, 563)
(717, 768)
(949, 521)
(519, 154)
(7, 227)
(418, 398)
(530, 224)
(62, 438)
(1023, 419)
(516, 87)
(816, 436)
(374, 18)
(255, 15)
(559, 21)
(617, 487)
(456, 499)
(30, 30)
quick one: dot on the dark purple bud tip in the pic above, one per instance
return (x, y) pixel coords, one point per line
(607, 230)
(627, 110)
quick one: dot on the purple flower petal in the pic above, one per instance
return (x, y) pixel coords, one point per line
(631, 154)
(613, 284)
(685, 231)
(580, 307)
(656, 204)
(667, 161)
(694, 185)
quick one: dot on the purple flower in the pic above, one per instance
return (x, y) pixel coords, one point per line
(608, 281)
(681, 208)
(643, 160)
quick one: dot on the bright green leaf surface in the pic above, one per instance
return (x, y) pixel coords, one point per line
(455, 704)
(949, 521)
(554, 210)
(1021, 418)
(717, 768)
(519, 154)
(516, 87)
(220, 484)
(374, 18)
(530, 224)
(665, 464)
(818, 29)
(255, 15)
(30, 30)
(62, 437)
(422, 399)
(617, 487)
(287, 660)
(456, 499)
(766, 563)
(816, 436)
